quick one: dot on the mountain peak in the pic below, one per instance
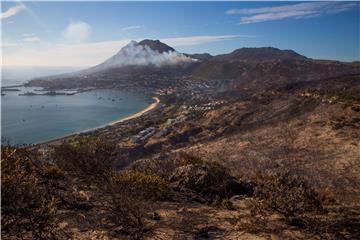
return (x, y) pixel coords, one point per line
(150, 53)
(156, 45)
(265, 54)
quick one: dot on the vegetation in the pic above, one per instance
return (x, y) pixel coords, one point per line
(27, 207)
(266, 167)
(85, 155)
(143, 185)
(287, 194)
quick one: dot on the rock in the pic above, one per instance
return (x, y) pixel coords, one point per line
(156, 216)
(210, 232)
(63, 225)
(210, 180)
(84, 195)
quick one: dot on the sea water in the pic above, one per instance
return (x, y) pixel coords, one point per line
(34, 119)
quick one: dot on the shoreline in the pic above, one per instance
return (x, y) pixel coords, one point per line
(133, 116)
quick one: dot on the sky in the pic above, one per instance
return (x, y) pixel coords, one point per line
(81, 34)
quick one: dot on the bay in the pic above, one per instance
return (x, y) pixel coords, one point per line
(34, 119)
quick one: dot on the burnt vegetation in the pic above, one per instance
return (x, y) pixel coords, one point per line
(79, 177)
(259, 143)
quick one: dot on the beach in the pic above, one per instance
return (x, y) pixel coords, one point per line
(149, 108)
(138, 114)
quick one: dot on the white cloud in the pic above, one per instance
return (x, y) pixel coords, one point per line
(299, 10)
(30, 37)
(12, 11)
(132, 27)
(194, 40)
(28, 34)
(89, 54)
(4, 44)
(77, 32)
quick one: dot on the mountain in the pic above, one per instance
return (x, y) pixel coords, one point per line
(262, 54)
(259, 68)
(156, 45)
(151, 65)
(147, 53)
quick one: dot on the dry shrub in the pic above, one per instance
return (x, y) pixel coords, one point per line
(184, 159)
(51, 171)
(122, 193)
(287, 194)
(258, 222)
(126, 214)
(189, 173)
(224, 203)
(146, 186)
(161, 166)
(27, 208)
(128, 198)
(337, 225)
(165, 164)
(88, 156)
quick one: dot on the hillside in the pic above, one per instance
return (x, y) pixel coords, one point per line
(276, 164)
(260, 143)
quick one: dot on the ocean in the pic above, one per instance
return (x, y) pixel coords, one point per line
(34, 119)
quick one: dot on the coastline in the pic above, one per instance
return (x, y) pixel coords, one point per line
(133, 116)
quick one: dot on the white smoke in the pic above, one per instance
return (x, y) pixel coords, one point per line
(134, 54)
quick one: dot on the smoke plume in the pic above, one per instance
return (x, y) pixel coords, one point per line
(142, 55)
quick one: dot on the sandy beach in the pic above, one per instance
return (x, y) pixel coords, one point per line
(135, 115)
(138, 114)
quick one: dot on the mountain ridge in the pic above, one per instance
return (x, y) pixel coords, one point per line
(154, 65)
(263, 54)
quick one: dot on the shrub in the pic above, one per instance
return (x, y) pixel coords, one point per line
(51, 171)
(225, 203)
(27, 208)
(144, 185)
(287, 194)
(186, 159)
(88, 156)
(127, 214)
(128, 194)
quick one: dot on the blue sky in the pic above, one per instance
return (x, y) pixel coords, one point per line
(86, 33)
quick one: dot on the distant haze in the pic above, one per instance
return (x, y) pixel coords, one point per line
(19, 75)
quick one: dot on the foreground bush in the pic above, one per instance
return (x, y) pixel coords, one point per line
(125, 212)
(27, 208)
(287, 194)
(122, 193)
(87, 156)
(190, 174)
